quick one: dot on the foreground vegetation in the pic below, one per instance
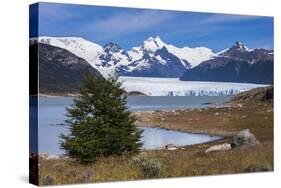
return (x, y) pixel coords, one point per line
(184, 162)
(249, 110)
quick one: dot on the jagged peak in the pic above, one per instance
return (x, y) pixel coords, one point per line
(157, 40)
(114, 47)
(153, 38)
(153, 43)
(239, 45)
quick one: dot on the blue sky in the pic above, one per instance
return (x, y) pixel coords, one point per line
(130, 27)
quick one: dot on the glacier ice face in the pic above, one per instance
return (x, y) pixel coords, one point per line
(175, 87)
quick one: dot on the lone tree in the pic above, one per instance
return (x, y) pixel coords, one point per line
(100, 123)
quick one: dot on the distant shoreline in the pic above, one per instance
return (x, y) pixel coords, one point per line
(132, 93)
(56, 95)
(60, 95)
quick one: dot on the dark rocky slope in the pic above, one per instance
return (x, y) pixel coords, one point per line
(262, 94)
(238, 64)
(60, 72)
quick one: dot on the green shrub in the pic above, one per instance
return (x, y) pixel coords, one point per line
(86, 176)
(59, 167)
(48, 180)
(149, 166)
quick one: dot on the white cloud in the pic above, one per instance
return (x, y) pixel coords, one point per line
(57, 12)
(121, 24)
(224, 18)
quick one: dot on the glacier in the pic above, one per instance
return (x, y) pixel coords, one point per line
(153, 86)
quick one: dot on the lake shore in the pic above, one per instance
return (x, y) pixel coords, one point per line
(56, 95)
(197, 121)
(223, 121)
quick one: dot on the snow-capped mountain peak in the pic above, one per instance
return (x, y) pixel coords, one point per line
(152, 44)
(190, 57)
(238, 50)
(240, 46)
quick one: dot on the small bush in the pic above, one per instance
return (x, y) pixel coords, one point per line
(255, 168)
(149, 166)
(86, 176)
(48, 180)
(59, 167)
(201, 154)
(71, 174)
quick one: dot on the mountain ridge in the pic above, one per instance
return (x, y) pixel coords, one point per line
(155, 58)
(236, 64)
(134, 60)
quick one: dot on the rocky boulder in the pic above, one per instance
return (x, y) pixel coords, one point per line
(170, 147)
(221, 147)
(245, 137)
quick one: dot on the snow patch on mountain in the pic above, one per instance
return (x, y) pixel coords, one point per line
(175, 87)
(192, 55)
(221, 52)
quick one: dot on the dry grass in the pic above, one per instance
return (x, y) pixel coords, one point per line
(67, 171)
(184, 162)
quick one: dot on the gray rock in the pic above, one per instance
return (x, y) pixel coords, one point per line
(221, 147)
(52, 156)
(245, 137)
(170, 147)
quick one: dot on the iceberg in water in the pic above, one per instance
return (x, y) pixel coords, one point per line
(175, 87)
